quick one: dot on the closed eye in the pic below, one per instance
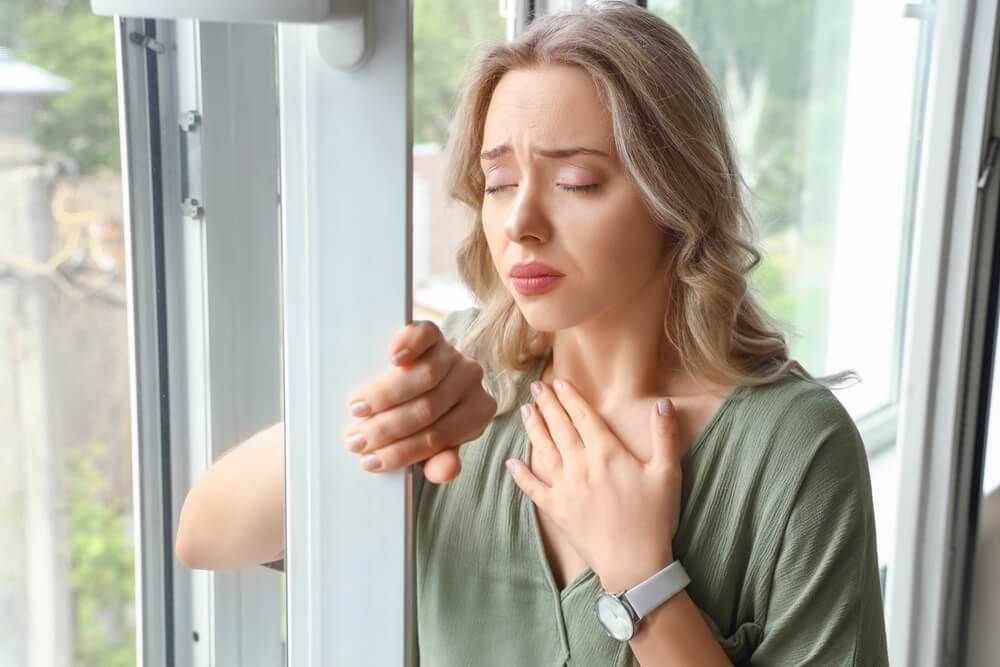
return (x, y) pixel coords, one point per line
(572, 188)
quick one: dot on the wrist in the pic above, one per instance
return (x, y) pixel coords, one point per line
(629, 575)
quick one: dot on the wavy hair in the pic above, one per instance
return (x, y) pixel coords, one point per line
(671, 136)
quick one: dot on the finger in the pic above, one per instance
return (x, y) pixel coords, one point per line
(451, 430)
(533, 487)
(393, 424)
(413, 340)
(442, 467)
(591, 427)
(403, 383)
(558, 422)
(666, 435)
(544, 453)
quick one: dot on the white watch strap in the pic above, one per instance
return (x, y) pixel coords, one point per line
(651, 593)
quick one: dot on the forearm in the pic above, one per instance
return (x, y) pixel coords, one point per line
(676, 634)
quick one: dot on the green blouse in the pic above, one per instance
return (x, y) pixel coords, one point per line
(776, 532)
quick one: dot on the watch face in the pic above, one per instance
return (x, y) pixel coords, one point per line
(614, 617)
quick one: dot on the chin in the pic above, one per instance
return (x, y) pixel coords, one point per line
(545, 316)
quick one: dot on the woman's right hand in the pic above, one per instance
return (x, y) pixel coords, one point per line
(422, 409)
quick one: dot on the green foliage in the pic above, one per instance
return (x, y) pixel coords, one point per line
(101, 562)
(445, 37)
(72, 43)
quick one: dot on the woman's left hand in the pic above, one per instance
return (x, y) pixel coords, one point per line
(618, 512)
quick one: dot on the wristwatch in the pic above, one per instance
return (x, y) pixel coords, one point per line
(620, 613)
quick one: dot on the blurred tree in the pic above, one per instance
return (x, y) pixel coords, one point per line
(68, 40)
(446, 34)
(101, 563)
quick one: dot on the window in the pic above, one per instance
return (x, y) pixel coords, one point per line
(67, 586)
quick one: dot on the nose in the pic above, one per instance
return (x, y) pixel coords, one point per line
(526, 219)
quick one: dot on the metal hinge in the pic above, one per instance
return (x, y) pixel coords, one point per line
(141, 39)
(991, 158)
(191, 201)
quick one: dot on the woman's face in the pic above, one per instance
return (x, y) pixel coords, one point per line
(556, 193)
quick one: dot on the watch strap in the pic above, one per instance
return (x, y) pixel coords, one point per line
(657, 589)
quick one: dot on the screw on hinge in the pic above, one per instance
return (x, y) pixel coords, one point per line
(190, 120)
(145, 40)
(192, 208)
(991, 158)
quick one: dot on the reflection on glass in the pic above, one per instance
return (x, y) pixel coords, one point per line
(66, 568)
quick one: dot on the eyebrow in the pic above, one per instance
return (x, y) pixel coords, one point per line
(503, 149)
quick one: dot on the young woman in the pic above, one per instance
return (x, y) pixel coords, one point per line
(679, 491)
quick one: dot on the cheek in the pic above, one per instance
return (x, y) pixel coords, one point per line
(494, 235)
(622, 244)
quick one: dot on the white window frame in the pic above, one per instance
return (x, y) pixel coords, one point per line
(198, 389)
(945, 388)
(349, 553)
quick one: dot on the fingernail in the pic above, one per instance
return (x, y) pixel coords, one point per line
(371, 462)
(356, 442)
(401, 355)
(525, 412)
(663, 406)
(510, 466)
(360, 409)
(536, 388)
(558, 385)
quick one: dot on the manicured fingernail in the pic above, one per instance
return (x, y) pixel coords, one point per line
(356, 442)
(663, 406)
(360, 409)
(371, 462)
(558, 385)
(525, 412)
(401, 356)
(536, 388)
(510, 466)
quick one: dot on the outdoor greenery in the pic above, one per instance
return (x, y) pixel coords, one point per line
(69, 41)
(101, 562)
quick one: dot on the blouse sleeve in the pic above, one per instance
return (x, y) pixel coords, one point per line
(825, 603)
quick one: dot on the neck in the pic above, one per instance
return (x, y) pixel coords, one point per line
(620, 355)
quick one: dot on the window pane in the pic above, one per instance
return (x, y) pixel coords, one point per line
(821, 97)
(825, 104)
(66, 571)
(445, 37)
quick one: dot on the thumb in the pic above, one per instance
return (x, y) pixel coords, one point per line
(666, 433)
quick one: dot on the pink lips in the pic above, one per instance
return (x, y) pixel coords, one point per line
(534, 278)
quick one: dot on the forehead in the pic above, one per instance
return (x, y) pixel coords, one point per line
(554, 105)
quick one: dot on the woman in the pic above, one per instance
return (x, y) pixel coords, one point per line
(666, 429)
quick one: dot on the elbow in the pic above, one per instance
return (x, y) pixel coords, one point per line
(189, 550)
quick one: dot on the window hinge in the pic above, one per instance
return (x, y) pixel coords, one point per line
(192, 205)
(991, 158)
(141, 39)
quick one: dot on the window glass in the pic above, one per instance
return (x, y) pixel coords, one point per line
(66, 567)
(825, 102)
(446, 35)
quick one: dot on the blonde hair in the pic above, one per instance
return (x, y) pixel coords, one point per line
(671, 136)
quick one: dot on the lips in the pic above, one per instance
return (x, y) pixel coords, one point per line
(533, 270)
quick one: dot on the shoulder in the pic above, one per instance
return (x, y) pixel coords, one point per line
(796, 438)
(457, 322)
(798, 418)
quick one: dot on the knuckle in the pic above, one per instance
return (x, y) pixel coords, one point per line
(426, 375)
(433, 441)
(423, 410)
